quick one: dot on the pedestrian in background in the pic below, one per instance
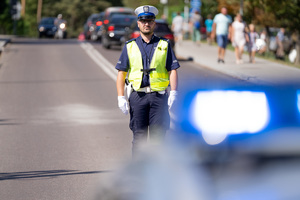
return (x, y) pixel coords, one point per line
(177, 27)
(238, 38)
(151, 66)
(262, 44)
(222, 29)
(196, 24)
(252, 48)
(208, 24)
(279, 41)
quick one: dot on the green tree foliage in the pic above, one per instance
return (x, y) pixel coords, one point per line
(272, 13)
(5, 18)
(137, 3)
(75, 12)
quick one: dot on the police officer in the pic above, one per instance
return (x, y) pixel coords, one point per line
(150, 65)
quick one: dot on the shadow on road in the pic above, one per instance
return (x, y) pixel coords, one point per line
(189, 59)
(5, 122)
(35, 41)
(45, 174)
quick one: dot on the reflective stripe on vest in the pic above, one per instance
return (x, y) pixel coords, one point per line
(159, 78)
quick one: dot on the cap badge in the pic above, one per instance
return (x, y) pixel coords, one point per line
(146, 9)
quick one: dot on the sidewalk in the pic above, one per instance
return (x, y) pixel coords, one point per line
(262, 72)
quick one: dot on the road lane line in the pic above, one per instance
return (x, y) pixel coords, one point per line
(104, 64)
(101, 57)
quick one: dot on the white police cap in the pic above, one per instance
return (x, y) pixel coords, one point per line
(146, 12)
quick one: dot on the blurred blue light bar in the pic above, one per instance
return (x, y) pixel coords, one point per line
(219, 113)
(298, 100)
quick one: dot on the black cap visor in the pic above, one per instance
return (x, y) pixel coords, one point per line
(146, 17)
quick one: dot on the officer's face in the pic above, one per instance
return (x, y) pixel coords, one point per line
(146, 26)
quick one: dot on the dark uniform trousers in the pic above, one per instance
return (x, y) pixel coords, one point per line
(148, 110)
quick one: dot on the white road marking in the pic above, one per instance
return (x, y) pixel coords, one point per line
(102, 62)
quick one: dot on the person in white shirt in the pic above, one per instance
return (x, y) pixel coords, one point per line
(238, 38)
(177, 27)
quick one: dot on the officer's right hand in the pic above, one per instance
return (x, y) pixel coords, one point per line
(123, 104)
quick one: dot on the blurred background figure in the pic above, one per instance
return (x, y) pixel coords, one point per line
(261, 43)
(238, 38)
(58, 20)
(177, 27)
(253, 36)
(61, 29)
(279, 41)
(186, 30)
(222, 29)
(196, 25)
(164, 17)
(208, 24)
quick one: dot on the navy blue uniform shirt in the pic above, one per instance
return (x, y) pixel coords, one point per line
(147, 51)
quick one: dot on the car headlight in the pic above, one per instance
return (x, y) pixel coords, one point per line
(62, 25)
(41, 29)
(111, 34)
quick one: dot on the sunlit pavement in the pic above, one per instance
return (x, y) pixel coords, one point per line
(262, 72)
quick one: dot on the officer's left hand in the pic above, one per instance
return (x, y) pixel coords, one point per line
(123, 104)
(172, 98)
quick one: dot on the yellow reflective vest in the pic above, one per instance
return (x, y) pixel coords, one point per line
(159, 78)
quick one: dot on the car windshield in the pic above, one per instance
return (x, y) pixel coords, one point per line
(95, 19)
(113, 14)
(123, 19)
(47, 21)
(161, 28)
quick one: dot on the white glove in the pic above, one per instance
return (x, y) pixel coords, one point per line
(123, 104)
(172, 98)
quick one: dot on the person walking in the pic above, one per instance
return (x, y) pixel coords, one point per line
(262, 42)
(279, 41)
(177, 27)
(151, 66)
(238, 38)
(252, 48)
(196, 24)
(222, 30)
(208, 24)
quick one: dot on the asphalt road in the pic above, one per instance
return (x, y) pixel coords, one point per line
(61, 130)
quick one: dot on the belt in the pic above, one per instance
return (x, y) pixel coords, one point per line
(148, 90)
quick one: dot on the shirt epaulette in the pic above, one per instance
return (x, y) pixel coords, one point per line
(165, 39)
(133, 39)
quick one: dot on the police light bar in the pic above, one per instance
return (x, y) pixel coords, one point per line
(218, 113)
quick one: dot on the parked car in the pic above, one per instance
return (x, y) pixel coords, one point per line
(162, 29)
(113, 32)
(46, 27)
(90, 24)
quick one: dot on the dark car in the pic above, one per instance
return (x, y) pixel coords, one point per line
(95, 29)
(111, 11)
(162, 29)
(46, 27)
(114, 31)
(90, 24)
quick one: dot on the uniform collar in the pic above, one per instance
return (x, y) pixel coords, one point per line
(153, 39)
